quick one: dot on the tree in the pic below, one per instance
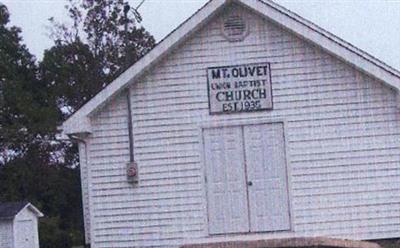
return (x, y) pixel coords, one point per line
(103, 41)
(24, 101)
(33, 165)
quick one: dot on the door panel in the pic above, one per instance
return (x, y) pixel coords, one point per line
(226, 183)
(266, 170)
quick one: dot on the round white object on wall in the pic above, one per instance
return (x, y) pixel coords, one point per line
(234, 27)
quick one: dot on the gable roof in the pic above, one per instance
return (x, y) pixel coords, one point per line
(8, 210)
(79, 122)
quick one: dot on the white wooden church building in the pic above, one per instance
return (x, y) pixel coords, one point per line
(246, 122)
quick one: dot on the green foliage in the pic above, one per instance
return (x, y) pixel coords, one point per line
(54, 189)
(27, 112)
(81, 64)
(51, 235)
(71, 70)
(36, 98)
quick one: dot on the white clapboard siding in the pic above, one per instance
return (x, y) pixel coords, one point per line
(107, 154)
(341, 127)
(26, 233)
(6, 234)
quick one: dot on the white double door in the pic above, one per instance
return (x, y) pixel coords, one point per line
(246, 179)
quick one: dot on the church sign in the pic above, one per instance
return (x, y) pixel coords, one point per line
(239, 88)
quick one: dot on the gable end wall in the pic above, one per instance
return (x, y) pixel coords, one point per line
(342, 131)
(26, 215)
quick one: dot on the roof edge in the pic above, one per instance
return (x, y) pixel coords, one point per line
(34, 210)
(11, 209)
(330, 35)
(79, 122)
(326, 40)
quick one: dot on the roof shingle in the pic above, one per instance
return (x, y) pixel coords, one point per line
(9, 209)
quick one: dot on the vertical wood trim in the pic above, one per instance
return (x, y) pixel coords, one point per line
(14, 240)
(207, 216)
(246, 177)
(130, 126)
(90, 189)
(204, 182)
(83, 154)
(288, 169)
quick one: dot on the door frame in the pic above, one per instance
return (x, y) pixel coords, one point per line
(244, 122)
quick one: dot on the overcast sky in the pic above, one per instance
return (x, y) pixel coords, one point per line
(372, 25)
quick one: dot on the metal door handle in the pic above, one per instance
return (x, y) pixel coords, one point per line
(250, 183)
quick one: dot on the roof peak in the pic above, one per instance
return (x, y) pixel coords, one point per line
(79, 122)
(8, 210)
